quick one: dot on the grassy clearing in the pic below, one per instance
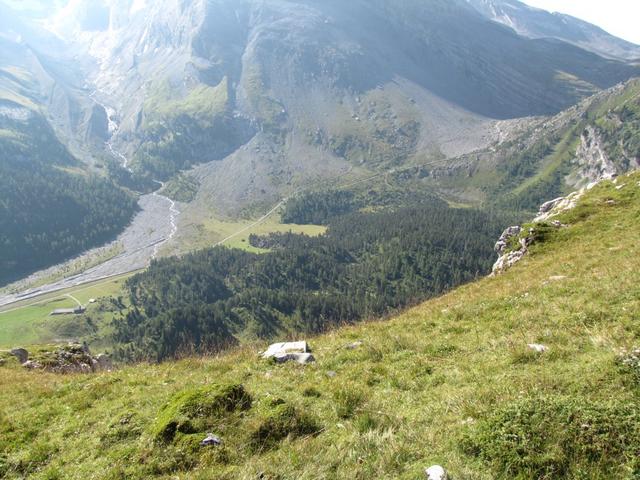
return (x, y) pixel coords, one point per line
(421, 389)
(28, 322)
(213, 230)
(201, 103)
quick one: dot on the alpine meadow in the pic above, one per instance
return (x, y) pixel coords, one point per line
(317, 239)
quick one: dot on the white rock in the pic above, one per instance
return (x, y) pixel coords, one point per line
(285, 348)
(301, 358)
(536, 347)
(436, 472)
(211, 441)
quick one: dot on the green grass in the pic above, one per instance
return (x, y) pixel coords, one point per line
(202, 103)
(213, 230)
(450, 381)
(28, 322)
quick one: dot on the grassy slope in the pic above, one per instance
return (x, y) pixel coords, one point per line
(201, 103)
(29, 322)
(402, 401)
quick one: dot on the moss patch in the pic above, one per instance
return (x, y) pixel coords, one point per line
(193, 411)
(282, 421)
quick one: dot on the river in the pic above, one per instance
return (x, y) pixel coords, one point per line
(153, 226)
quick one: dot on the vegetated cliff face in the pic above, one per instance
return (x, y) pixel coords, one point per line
(595, 139)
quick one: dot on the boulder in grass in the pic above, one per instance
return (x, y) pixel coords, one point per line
(301, 358)
(286, 347)
(21, 354)
(211, 441)
(436, 472)
(289, 351)
(538, 348)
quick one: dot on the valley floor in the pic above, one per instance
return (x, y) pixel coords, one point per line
(131, 251)
(451, 381)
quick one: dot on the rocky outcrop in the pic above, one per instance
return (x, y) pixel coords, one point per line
(555, 207)
(72, 358)
(509, 257)
(21, 354)
(514, 243)
(505, 238)
(592, 160)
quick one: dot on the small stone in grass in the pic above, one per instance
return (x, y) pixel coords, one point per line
(538, 348)
(211, 441)
(436, 472)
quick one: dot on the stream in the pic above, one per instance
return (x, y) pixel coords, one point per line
(152, 227)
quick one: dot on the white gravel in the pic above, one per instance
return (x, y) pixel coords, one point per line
(153, 226)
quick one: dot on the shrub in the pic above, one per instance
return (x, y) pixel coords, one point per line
(311, 392)
(192, 411)
(559, 438)
(282, 421)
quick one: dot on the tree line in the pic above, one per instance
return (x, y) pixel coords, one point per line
(366, 265)
(49, 213)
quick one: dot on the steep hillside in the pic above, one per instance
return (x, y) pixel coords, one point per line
(536, 23)
(51, 205)
(598, 138)
(451, 382)
(50, 209)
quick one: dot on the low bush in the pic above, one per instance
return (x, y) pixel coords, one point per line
(629, 363)
(559, 437)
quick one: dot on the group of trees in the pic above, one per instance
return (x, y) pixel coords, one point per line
(47, 211)
(318, 207)
(366, 265)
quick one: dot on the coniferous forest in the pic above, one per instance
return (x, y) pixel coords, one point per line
(47, 212)
(366, 265)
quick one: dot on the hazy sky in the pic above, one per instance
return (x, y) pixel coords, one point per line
(619, 17)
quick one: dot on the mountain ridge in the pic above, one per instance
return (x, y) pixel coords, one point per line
(538, 23)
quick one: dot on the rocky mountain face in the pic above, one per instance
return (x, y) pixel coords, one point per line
(40, 76)
(282, 92)
(599, 138)
(536, 23)
(262, 97)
